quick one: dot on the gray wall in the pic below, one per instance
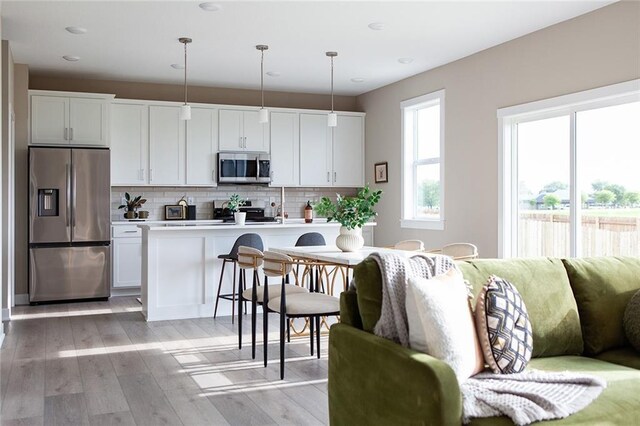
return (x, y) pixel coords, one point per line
(21, 110)
(592, 50)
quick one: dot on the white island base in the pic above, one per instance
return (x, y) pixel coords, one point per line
(181, 269)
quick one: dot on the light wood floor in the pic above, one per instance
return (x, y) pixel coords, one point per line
(100, 363)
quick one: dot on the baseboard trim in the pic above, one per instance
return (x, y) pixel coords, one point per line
(6, 314)
(22, 299)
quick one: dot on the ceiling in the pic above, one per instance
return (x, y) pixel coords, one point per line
(138, 40)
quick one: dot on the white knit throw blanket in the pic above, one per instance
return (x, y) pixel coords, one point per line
(525, 397)
(528, 397)
(396, 271)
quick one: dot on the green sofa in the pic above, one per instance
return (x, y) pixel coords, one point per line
(575, 306)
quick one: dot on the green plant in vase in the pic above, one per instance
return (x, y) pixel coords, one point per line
(352, 213)
(132, 204)
(234, 204)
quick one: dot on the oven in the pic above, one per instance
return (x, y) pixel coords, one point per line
(244, 168)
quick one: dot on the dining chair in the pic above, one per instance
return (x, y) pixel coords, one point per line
(313, 305)
(251, 258)
(247, 240)
(460, 251)
(409, 245)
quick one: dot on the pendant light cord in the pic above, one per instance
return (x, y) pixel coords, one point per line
(185, 73)
(262, 77)
(332, 84)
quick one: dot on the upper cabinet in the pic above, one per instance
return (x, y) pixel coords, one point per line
(202, 146)
(167, 146)
(61, 118)
(285, 149)
(241, 131)
(129, 144)
(331, 156)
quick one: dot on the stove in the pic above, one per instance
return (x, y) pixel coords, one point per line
(254, 214)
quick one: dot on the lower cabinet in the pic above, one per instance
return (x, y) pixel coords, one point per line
(127, 257)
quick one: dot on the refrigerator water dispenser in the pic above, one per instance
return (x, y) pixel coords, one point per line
(48, 202)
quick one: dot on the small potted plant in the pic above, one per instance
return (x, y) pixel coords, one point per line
(234, 204)
(131, 205)
(352, 213)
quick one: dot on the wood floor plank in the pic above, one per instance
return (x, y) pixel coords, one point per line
(31, 421)
(31, 341)
(67, 409)
(123, 354)
(239, 409)
(147, 402)
(194, 408)
(59, 340)
(100, 383)
(24, 397)
(281, 408)
(62, 376)
(85, 334)
(168, 372)
(123, 418)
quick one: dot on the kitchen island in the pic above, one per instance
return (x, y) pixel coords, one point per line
(181, 269)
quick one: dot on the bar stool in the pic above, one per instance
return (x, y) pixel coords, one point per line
(248, 240)
(297, 305)
(251, 258)
(310, 239)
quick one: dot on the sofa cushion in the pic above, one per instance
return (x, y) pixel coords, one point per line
(618, 404)
(628, 357)
(631, 321)
(369, 282)
(503, 325)
(545, 289)
(602, 287)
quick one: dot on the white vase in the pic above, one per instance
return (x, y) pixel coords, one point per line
(239, 217)
(350, 239)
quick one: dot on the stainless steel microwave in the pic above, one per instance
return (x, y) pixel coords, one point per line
(244, 167)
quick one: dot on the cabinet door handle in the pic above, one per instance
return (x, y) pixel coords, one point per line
(213, 175)
(240, 141)
(71, 134)
(328, 177)
(66, 133)
(335, 177)
(150, 175)
(130, 232)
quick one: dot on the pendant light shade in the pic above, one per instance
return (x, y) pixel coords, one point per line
(263, 115)
(185, 110)
(332, 118)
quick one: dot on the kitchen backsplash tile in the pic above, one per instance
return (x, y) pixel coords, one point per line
(158, 197)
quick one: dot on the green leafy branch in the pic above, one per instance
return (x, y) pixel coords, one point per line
(350, 212)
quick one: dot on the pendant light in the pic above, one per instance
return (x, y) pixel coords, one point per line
(332, 118)
(263, 114)
(185, 110)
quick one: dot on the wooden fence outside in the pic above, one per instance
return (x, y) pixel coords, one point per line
(548, 234)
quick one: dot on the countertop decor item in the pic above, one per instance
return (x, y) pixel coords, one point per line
(173, 212)
(131, 205)
(234, 204)
(352, 213)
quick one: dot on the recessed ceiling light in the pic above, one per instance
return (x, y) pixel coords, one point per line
(376, 26)
(273, 73)
(210, 6)
(177, 66)
(71, 58)
(76, 30)
(357, 80)
(405, 60)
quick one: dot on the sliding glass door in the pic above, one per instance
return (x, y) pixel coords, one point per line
(572, 178)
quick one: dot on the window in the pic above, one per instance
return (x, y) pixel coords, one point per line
(570, 184)
(423, 162)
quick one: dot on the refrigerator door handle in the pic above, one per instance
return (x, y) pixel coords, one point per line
(75, 184)
(68, 181)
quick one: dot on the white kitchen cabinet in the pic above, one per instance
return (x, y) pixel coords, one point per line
(241, 131)
(202, 146)
(348, 151)
(166, 146)
(129, 143)
(285, 149)
(331, 156)
(60, 119)
(127, 257)
(315, 150)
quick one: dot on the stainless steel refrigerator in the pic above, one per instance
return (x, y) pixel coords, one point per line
(69, 223)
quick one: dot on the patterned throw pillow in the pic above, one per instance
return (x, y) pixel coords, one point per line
(503, 327)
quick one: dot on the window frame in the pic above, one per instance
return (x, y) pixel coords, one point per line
(508, 120)
(410, 163)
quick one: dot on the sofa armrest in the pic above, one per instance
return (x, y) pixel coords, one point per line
(374, 380)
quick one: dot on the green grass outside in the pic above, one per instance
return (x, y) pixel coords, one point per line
(631, 212)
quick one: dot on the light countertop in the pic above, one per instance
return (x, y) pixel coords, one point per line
(209, 225)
